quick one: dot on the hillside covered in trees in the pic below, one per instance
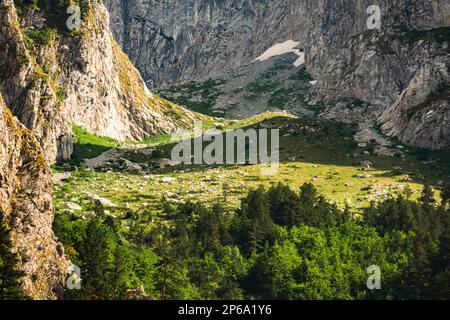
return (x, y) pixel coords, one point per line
(280, 244)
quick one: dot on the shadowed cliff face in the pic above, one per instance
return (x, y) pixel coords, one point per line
(176, 41)
(179, 41)
(203, 38)
(26, 200)
(53, 78)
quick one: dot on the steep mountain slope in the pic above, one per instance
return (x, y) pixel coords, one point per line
(53, 78)
(380, 67)
(276, 84)
(363, 75)
(26, 200)
(178, 41)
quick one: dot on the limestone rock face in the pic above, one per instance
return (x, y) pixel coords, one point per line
(178, 41)
(386, 67)
(421, 114)
(26, 200)
(53, 78)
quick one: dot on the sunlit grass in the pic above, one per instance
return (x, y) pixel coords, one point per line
(325, 156)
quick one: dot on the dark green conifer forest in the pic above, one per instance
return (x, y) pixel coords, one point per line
(280, 244)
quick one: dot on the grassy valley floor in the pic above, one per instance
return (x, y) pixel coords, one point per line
(319, 151)
(139, 228)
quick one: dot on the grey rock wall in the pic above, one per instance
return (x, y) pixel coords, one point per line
(174, 42)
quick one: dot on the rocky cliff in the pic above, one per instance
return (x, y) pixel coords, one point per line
(361, 73)
(52, 78)
(394, 74)
(178, 41)
(25, 199)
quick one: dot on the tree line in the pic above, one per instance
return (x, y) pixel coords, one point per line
(279, 244)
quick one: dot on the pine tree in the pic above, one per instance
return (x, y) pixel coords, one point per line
(255, 212)
(445, 194)
(408, 193)
(121, 272)
(10, 275)
(98, 208)
(307, 204)
(207, 231)
(283, 205)
(172, 279)
(95, 256)
(427, 195)
(315, 210)
(440, 288)
(225, 191)
(184, 220)
(308, 194)
(346, 214)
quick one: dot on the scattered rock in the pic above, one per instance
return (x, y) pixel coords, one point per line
(407, 179)
(60, 177)
(137, 294)
(382, 151)
(145, 151)
(365, 176)
(108, 156)
(105, 202)
(172, 195)
(131, 166)
(168, 180)
(367, 164)
(362, 145)
(163, 163)
(73, 206)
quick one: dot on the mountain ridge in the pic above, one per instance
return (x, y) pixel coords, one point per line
(176, 42)
(54, 78)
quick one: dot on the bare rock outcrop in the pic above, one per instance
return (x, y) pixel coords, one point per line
(174, 42)
(26, 200)
(53, 78)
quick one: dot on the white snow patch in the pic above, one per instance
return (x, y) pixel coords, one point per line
(313, 83)
(300, 60)
(283, 48)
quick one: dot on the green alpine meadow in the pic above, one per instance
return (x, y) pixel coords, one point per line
(244, 152)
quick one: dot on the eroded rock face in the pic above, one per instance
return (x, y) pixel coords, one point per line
(421, 114)
(385, 68)
(178, 41)
(79, 78)
(26, 200)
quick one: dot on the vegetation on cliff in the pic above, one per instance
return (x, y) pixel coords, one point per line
(10, 274)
